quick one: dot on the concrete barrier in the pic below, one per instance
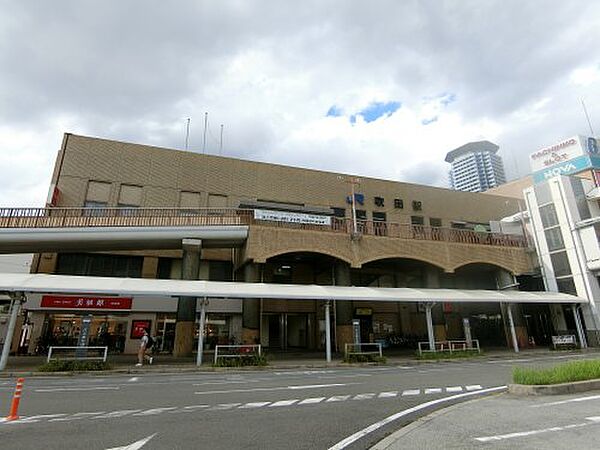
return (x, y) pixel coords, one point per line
(554, 389)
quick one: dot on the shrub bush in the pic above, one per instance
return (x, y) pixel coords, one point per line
(368, 358)
(242, 361)
(564, 373)
(447, 355)
(73, 365)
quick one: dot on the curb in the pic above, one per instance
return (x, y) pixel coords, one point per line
(554, 389)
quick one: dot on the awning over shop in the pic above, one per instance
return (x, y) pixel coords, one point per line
(66, 284)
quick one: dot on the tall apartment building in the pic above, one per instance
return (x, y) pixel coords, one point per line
(475, 167)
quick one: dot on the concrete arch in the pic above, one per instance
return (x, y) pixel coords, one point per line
(404, 256)
(487, 263)
(305, 250)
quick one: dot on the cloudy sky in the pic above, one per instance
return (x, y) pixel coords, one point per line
(378, 88)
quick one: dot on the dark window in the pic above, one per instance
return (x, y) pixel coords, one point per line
(361, 214)
(417, 220)
(99, 265)
(126, 210)
(549, 217)
(339, 212)
(164, 268)
(398, 203)
(580, 198)
(417, 206)
(99, 208)
(554, 239)
(560, 264)
(435, 222)
(379, 223)
(379, 216)
(566, 286)
(379, 201)
(220, 271)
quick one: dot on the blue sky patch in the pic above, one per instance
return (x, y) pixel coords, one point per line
(335, 111)
(378, 109)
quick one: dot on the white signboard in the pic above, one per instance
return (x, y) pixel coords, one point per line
(284, 216)
(558, 153)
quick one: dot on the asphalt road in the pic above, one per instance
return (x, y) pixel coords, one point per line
(292, 409)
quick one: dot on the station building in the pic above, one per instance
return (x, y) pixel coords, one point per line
(304, 227)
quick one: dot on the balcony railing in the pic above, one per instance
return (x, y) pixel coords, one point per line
(176, 217)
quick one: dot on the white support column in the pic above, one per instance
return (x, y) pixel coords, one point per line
(201, 331)
(513, 332)
(17, 299)
(327, 331)
(579, 327)
(430, 332)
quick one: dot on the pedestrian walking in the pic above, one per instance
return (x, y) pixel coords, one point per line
(146, 343)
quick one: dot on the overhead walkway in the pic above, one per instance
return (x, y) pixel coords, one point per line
(34, 230)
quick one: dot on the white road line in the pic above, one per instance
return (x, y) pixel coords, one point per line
(254, 405)
(411, 392)
(454, 389)
(136, 445)
(113, 414)
(362, 433)
(224, 406)
(572, 400)
(77, 416)
(501, 437)
(133, 379)
(78, 389)
(337, 398)
(473, 387)
(283, 403)
(188, 409)
(363, 396)
(155, 411)
(388, 394)
(33, 419)
(226, 382)
(311, 401)
(279, 388)
(433, 391)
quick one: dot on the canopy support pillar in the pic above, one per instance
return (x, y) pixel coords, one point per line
(327, 331)
(429, 318)
(513, 332)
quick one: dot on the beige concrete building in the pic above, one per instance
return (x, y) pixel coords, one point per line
(301, 230)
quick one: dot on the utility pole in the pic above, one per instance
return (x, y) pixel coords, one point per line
(187, 133)
(353, 181)
(204, 138)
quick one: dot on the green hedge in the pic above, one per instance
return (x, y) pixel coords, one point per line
(242, 361)
(564, 373)
(368, 358)
(58, 365)
(447, 355)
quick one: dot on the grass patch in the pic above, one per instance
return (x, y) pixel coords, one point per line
(564, 373)
(58, 365)
(242, 361)
(431, 356)
(354, 358)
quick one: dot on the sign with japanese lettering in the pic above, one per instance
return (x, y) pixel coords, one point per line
(284, 216)
(66, 302)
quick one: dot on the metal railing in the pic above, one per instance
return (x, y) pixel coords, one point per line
(175, 217)
(450, 346)
(236, 351)
(78, 353)
(363, 349)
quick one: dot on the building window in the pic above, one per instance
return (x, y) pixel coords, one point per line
(435, 222)
(379, 223)
(566, 285)
(560, 264)
(379, 201)
(339, 212)
(98, 265)
(94, 209)
(548, 215)
(398, 203)
(417, 220)
(580, 198)
(220, 271)
(554, 239)
(417, 205)
(361, 214)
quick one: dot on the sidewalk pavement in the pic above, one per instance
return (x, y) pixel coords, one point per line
(28, 365)
(505, 421)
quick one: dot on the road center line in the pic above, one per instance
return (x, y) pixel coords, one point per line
(572, 400)
(74, 389)
(501, 437)
(365, 431)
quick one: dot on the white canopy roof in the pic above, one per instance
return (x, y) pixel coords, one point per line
(66, 284)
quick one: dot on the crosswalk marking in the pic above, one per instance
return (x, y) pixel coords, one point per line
(312, 401)
(389, 394)
(283, 403)
(433, 391)
(454, 389)
(364, 396)
(411, 392)
(254, 405)
(473, 387)
(338, 398)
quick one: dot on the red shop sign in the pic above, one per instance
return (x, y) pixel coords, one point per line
(61, 302)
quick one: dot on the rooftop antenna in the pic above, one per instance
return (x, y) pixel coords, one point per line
(205, 126)
(587, 117)
(221, 143)
(187, 133)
